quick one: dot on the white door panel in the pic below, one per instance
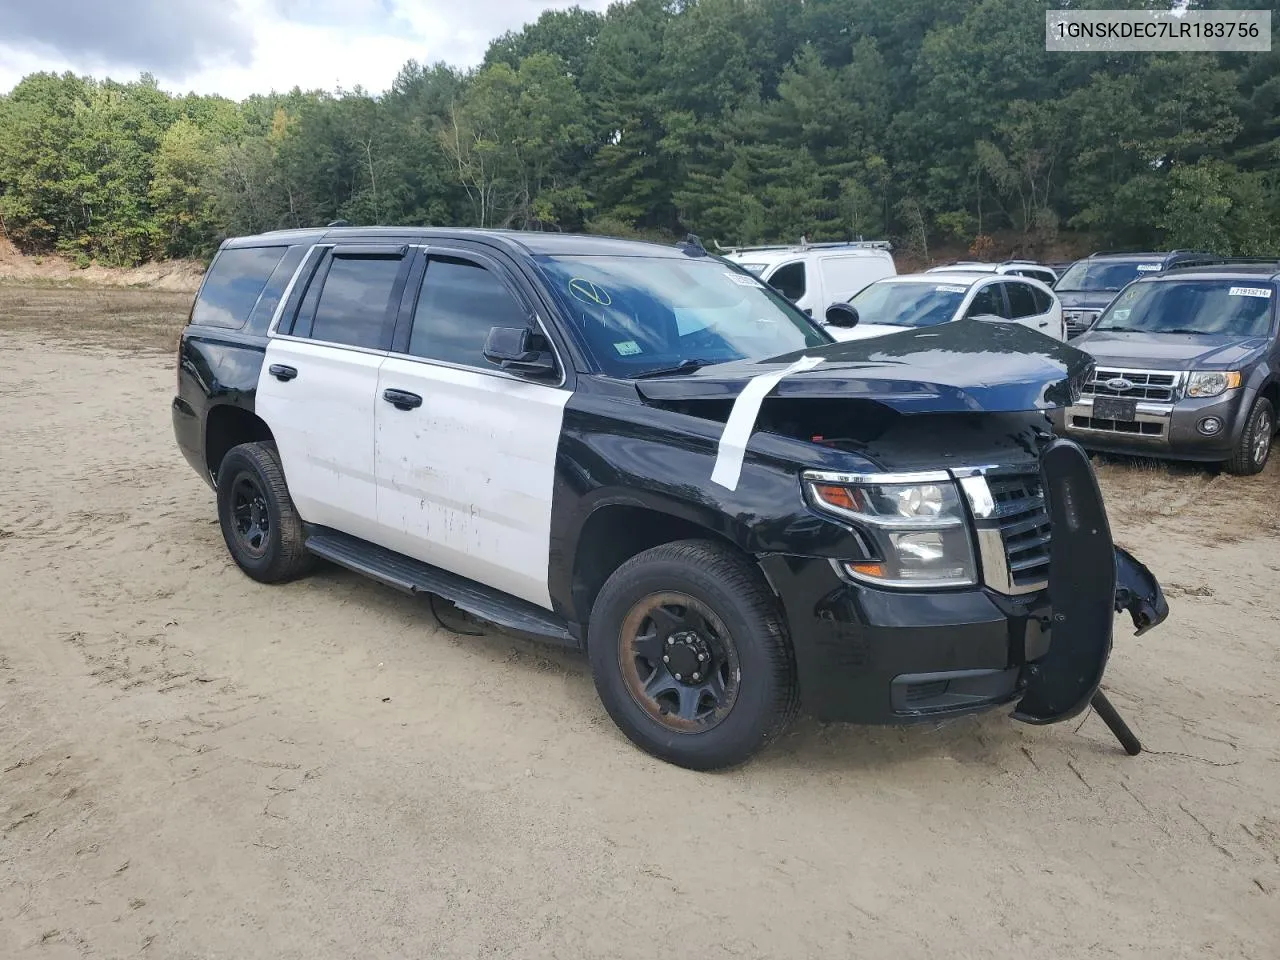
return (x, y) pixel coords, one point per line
(323, 423)
(465, 480)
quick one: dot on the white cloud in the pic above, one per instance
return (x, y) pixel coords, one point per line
(307, 43)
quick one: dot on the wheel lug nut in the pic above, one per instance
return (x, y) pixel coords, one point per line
(702, 657)
(697, 676)
(666, 659)
(678, 677)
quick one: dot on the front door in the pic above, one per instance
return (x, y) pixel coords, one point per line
(466, 451)
(319, 382)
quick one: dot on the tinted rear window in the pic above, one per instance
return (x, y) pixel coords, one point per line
(234, 283)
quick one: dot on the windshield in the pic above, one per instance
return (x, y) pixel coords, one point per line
(908, 304)
(639, 314)
(1234, 307)
(1103, 275)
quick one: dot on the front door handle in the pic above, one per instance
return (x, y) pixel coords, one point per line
(402, 399)
(282, 372)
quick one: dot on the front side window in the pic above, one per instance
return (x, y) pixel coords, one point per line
(640, 314)
(354, 304)
(234, 283)
(908, 303)
(460, 302)
(789, 281)
(1238, 308)
(988, 302)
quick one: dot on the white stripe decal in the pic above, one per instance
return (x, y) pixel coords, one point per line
(742, 422)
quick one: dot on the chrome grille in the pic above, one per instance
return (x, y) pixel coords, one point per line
(1160, 386)
(1023, 521)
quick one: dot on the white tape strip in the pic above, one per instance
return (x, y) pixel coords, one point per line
(742, 421)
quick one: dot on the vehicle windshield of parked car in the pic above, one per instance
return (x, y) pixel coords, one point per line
(1238, 308)
(908, 303)
(1100, 275)
(642, 314)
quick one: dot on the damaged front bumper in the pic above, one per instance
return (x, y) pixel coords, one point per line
(1090, 580)
(875, 656)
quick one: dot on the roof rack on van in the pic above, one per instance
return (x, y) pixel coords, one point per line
(804, 244)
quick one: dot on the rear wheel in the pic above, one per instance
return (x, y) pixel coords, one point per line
(690, 655)
(262, 530)
(1253, 449)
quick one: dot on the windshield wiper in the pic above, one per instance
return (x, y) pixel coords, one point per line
(684, 366)
(1180, 330)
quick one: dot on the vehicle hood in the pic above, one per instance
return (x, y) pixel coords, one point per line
(960, 367)
(863, 331)
(1085, 299)
(1169, 351)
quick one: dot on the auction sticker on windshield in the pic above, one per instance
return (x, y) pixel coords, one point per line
(1263, 292)
(742, 280)
(1148, 267)
(949, 289)
(627, 348)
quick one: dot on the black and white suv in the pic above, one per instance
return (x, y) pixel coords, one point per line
(647, 453)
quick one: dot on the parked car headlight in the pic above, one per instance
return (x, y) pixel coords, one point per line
(915, 524)
(1212, 383)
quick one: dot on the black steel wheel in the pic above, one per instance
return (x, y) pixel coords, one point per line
(690, 655)
(679, 662)
(260, 525)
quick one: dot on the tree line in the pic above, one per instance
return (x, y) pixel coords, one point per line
(923, 121)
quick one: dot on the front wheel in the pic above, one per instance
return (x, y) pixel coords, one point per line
(690, 655)
(1253, 449)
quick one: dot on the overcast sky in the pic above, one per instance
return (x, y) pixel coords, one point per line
(239, 47)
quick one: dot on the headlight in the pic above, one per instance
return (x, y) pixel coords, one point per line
(915, 523)
(1212, 383)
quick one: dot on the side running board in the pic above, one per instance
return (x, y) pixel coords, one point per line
(414, 577)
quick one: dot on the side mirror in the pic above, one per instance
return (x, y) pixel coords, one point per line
(519, 349)
(842, 315)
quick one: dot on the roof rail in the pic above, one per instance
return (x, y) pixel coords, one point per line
(804, 244)
(1228, 261)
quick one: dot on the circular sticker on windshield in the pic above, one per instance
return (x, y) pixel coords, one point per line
(588, 292)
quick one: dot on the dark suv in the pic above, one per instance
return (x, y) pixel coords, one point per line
(645, 453)
(1187, 368)
(1089, 285)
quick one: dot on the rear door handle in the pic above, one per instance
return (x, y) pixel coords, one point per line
(402, 399)
(282, 372)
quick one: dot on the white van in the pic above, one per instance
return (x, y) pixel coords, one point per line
(815, 275)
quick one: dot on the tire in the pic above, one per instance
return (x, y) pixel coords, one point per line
(1253, 449)
(251, 489)
(682, 601)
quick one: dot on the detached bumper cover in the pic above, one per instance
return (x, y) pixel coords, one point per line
(1090, 580)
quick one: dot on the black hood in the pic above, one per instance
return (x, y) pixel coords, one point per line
(963, 367)
(1170, 351)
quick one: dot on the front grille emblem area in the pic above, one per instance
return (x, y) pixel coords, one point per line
(1119, 384)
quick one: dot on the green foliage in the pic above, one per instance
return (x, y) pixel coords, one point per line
(740, 120)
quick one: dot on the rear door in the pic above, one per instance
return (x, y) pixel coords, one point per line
(320, 378)
(466, 451)
(1030, 310)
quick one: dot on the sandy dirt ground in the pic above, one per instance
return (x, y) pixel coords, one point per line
(197, 766)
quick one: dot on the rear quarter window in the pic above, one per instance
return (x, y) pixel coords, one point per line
(233, 285)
